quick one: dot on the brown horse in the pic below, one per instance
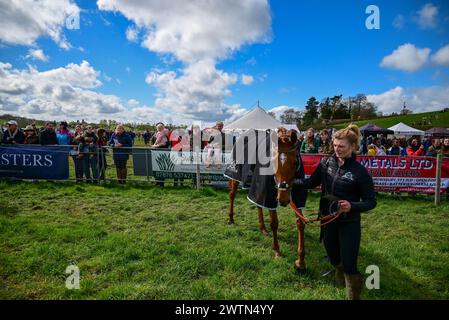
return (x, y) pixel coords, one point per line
(286, 161)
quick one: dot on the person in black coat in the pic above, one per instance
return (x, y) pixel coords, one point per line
(13, 135)
(347, 187)
(48, 135)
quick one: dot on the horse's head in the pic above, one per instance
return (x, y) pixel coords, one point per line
(286, 162)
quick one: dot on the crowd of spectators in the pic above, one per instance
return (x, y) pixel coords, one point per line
(87, 143)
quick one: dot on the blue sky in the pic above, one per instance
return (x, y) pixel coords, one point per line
(304, 48)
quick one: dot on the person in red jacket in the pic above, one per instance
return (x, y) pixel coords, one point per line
(415, 148)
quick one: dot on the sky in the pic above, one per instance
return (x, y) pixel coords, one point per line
(182, 61)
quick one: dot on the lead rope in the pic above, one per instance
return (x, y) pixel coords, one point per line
(324, 220)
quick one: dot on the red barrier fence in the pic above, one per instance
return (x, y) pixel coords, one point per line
(398, 174)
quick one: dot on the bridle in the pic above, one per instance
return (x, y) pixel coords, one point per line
(283, 185)
(323, 220)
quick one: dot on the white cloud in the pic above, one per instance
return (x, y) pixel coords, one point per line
(68, 93)
(247, 79)
(441, 57)
(198, 93)
(23, 21)
(196, 29)
(279, 110)
(132, 34)
(37, 54)
(197, 33)
(418, 99)
(406, 57)
(427, 16)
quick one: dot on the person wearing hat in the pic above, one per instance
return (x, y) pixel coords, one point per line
(30, 135)
(13, 135)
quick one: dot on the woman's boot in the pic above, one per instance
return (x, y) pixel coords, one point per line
(353, 286)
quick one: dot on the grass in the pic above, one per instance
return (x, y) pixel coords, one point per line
(437, 119)
(143, 242)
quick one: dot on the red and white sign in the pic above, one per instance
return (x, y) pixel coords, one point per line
(393, 173)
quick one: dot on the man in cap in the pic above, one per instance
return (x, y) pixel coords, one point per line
(13, 135)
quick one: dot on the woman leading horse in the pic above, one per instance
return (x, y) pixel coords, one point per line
(348, 188)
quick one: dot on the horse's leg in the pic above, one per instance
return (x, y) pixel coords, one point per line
(262, 227)
(233, 185)
(300, 264)
(274, 222)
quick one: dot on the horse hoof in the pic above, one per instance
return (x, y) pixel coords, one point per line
(264, 232)
(301, 271)
(230, 221)
(277, 255)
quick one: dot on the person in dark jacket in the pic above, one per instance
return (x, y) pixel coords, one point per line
(347, 187)
(13, 135)
(48, 135)
(121, 141)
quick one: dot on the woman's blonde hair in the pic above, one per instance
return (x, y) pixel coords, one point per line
(351, 133)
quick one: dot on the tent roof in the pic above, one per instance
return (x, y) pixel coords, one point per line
(255, 119)
(438, 131)
(375, 129)
(402, 128)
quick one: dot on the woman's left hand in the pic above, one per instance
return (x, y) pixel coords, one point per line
(345, 206)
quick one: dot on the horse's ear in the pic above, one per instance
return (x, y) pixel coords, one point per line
(293, 136)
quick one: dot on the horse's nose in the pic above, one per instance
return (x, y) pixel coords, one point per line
(284, 203)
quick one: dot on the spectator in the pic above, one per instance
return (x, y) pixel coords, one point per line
(30, 136)
(63, 135)
(48, 135)
(434, 149)
(102, 162)
(415, 148)
(310, 144)
(146, 137)
(215, 145)
(372, 150)
(120, 141)
(326, 146)
(13, 135)
(77, 161)
(396, 149)
(88, 151)
(445, 149)
(161, 137)
(380, 149)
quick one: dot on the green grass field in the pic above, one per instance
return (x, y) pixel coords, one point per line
(143, 242)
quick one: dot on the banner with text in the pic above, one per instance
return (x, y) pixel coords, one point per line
(34, 162)
(396, 174)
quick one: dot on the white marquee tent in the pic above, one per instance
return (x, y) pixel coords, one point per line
(254, 119)
(405, 130)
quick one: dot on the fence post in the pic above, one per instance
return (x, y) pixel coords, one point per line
(198, 174)
(146, 164)
(438, 179)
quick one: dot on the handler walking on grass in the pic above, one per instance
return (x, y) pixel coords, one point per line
(346, 186)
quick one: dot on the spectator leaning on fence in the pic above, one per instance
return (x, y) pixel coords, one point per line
(396, 149)
(435, 148)
(120, 141)
(415, 148)
(78, 162)
(161, 137)
(48, 135)
(88, 149)
(63, 134)
(13, 134)
(30, 135)
(102, 142)
(310, 144)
